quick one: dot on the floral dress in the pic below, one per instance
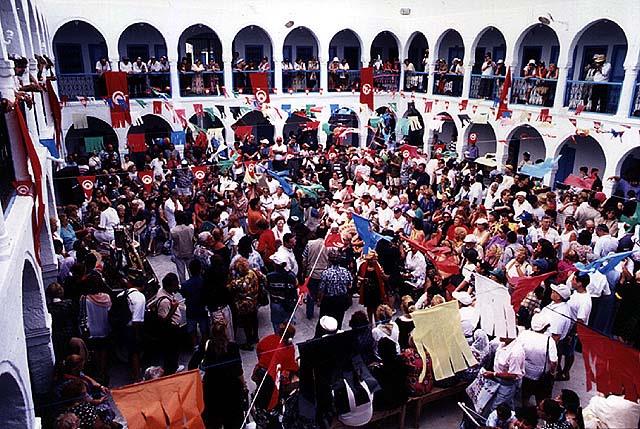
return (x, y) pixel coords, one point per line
(414, 364)
(244, 291)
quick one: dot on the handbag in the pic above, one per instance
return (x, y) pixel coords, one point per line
(547, 379)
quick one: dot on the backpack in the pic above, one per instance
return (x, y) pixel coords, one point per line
(154, 326)
(120, 313)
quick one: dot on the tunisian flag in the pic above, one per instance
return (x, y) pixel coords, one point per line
(366, 86)
(504, 95)
(260, 85)
(118, 93)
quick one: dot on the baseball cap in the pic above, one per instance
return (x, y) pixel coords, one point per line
(562, 290)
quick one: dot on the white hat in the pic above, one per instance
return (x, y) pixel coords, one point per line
(463, 297)
(265, 141)
(349, 182)
(278, 258)
(410, 213)
(336, 60)
(532, 62)
(539, 322)
(335, 225)
(521, 194)
(470, 238)
(204, 236)
(500, 61)
(240, 60)
(562, 290)
(482, 221)
(329, 324)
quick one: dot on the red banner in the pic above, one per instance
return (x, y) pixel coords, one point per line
(24, 188)
(463, 105)
(146, 177)
(243, 131)
(87, 183)
(198, 110)
(524, 285)
(157, 107)
(199, 172)
(408, 151)
(56, 112)
(201, 140)
(609, 364)
(366, 86)
(503, 105)
(118, 93)
(136, 143)
(260, 85)
(577, 182)
(428, 105)
(175, 401)
(180, 115)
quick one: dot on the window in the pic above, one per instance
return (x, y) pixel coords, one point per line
(160, 51)
(305, 53)
(135, 51)
(7, 174)
(286, 53)
(253, 53)
(333, 52)
(352, 55)
(587, 56)
(555, 53)
(96, 52)
(69, 58)
(455, 52)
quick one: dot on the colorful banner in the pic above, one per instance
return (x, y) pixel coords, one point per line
(493, 302)
(87, 183)
(136, 143)
(146, 177)
(503, 102)
(56, 112)
(243, 131)
(93, 144)
(199, 172)
(366, 86)
(178, 138)
(157, 107)
(118, 94)
(260, 86)
(524, 285)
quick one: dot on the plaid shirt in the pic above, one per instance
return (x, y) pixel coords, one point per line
(531, 302)
(335, 281)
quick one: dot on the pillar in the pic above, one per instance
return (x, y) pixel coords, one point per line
(38, 109)
(7, 88)
(561, 87)
(5, 241)
(227, 64)
(324, 75)
(627, 91)
(466, 80)
(174, 78)
(432, 78)
(277, 70)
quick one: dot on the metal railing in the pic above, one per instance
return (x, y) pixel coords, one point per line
(448, 84)
(635, 106)
(485, 87)
(416, 81)
(195, 84)
(343, 80)
(601, 97)
(242, 80)
(75, 85)
(386, 80)
(300, 80)
(533, 91)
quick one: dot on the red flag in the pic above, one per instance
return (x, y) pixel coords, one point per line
(181, 115)
(611, 365)
(579, 109)
(56, 112)
(408, 151)
(146, 177)
(447, 267)
(87, 182)
(276, 356)
(503, 105)
(136, 143)
(157, 107)
(201, 140)
(524, 285)
(473, 137)
(543, 115)
(311, 126)
(575, 181)
(251, 168)
(366, 86)
(118, 92)
(428, 105)
(260, 85)
(463, 105)
(199, 172)
(243, 131)
(573, 121)
(24, 188)
(197, 109)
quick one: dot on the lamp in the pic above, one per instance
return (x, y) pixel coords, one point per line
(405, 11)
(289, 24)
(546, 19)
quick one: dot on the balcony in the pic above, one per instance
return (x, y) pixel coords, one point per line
(635, 106)
(448, 84)
(485, 87)
(242, 80)
(301, 80)
(207, 83)
(344, 80)
(93, 85)
(601, 97)
(533, 91)
(416, 81)
(386, 80)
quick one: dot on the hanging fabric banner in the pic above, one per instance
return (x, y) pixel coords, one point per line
(136, 143)
(146, 177)
(178, 138)
(366, 86)
(260, 86)
(493, 302)
(93, 144)
(87, 183)
(157, 107)
(118, 93)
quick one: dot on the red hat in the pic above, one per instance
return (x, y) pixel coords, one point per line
(600, 196)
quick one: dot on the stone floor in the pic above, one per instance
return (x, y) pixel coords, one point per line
(442, 414)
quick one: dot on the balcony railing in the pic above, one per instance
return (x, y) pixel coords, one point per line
(533, 91)
(300, 80)
(93, 85)
(448, 84)
(416, 81)
(485, 87)
(344, 80)
(386, 80)
(204, 83)
(242, 80)
(601, 97)
(635, 106)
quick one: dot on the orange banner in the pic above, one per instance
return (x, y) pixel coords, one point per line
(169, 402)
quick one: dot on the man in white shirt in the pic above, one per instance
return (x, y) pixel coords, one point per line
(279, 150)
(541, 357)
(125, 65)
(285, 253)
(139, 66)
(605, 243)
(137, 305)
(108, 219)
(281, 204)
(154, 66)
(545, 231)
(398, 222)
(361, 187)
(171, 206)
(385, 215)
(486, 81)
(416, 265)
(599, 72)
(520, 204)
(558, 312)
(102, 65)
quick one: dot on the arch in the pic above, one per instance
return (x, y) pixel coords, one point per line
(153, 127)
(246, 45)
(344, 117)
(141, 40)
(80, 34)
(443, 129)
(301, 44)
(346, 44)
(261, 127)
(486, 142)
(13, 407)
(489, 40)
(205, 46)
(296, 126)
(605, 29)
(205, 43)
(74, 139)
(524, 138)
(415, 49)
(536, 35)
(385, 46)
(628, 166)
(450, 45)
(207, 121)
(578, 151)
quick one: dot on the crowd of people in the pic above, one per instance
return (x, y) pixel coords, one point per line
(241, 239)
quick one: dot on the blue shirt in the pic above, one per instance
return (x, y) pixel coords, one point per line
(335, 281)
(193, 292)
(68, 236)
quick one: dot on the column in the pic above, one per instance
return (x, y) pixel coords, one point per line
(432, 78)
(466, 80)
(277, 70)
(561, 87)
(627, 91)
(174, 78)
(38, 110)
(5, 242)
(227, 65)
(324, 75)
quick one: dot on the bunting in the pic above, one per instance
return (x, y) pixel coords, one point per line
(493, 302)
(87, 184)
(146, 177)
(93, 144)
(178, 138)
(157, 107)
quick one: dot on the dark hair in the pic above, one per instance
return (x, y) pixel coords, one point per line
(512, 237)
(288, 236)
(358, 320)
(504, 411)
(169, 280)
(571, 402)
(584, 238)
(244, 246)
(583, 279)
(195, 267)
(552, 410)
(528, 415)
(603, 228)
